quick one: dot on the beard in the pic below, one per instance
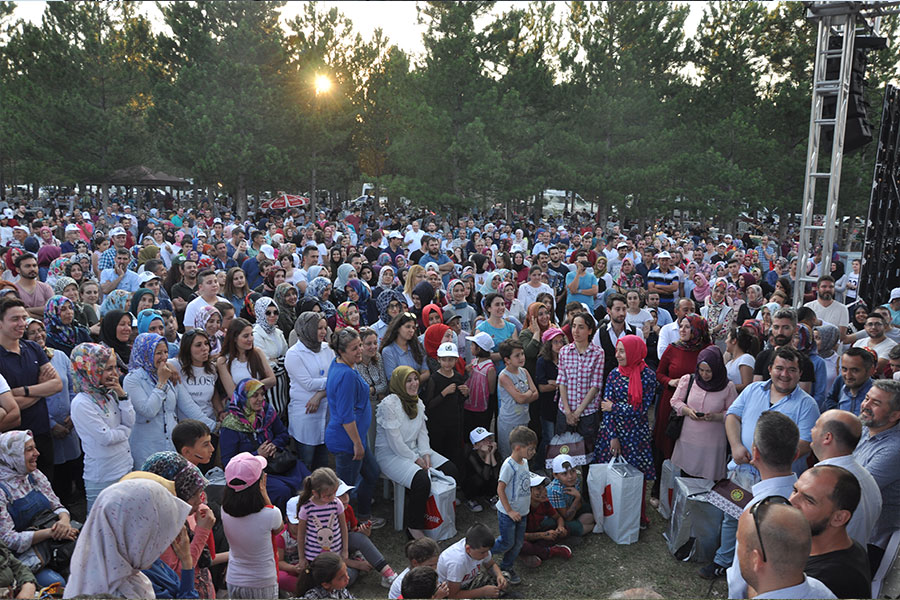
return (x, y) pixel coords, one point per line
(819, 527)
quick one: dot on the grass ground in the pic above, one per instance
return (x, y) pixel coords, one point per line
(598, 566)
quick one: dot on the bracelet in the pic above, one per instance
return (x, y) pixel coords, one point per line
(25, 389)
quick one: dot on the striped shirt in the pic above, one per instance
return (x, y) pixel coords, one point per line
(323, 527)
(659, 278)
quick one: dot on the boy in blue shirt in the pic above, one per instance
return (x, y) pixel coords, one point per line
(514, 493)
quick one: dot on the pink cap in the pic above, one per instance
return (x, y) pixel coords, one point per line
(246, 467)
(550, 334)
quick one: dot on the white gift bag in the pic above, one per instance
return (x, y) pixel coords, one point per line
(598, 490)
(622, 521)
(440, 514)
(667, 488)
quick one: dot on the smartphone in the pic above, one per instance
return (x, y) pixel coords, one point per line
(700, 414)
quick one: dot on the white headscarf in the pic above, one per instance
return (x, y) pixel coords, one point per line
(130, 525)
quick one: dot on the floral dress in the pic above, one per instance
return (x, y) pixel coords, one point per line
(626, 424)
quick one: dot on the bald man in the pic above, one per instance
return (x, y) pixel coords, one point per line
(772, 559)
(834, 437)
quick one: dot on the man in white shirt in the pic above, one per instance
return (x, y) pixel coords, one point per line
(208, 288)
(877, 341)
(413, 238)
(668, 334)
(828, 309)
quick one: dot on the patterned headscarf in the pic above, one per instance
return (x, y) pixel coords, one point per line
(57, 332)
(174, 467)
(699, 335)
(284, 309)
(62, 283)
(828, 337)
(384, 299)
(88, 362)
(12, 454)
(806, 343)
(315, 289)
(635, 352)
(57, 269)
(307, 329)
(259, 309)
(343, 315)
(115, 300)
(142, 353)
(362, 289)
(241, 417)
(203, 315)
(147, 316)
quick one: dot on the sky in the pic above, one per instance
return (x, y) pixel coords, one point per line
(396, 19)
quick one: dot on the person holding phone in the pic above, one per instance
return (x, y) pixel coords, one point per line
(581, 284)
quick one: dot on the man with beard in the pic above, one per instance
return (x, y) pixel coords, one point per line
(877, 452)
(828, 309)
(827, 495)
(34, 293)
(612, 329)
(784, 326)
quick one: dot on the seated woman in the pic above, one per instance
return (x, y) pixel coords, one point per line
(629, 392)
(150, 384)
(189, 485)
(251, 425)
(151, 321)
(132, 523)
(402, 448)
(15, 576)
(25, 493)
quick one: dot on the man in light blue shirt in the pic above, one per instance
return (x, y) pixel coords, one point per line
(851, 387)
(780, 394)
(581, 284)
(120, 277)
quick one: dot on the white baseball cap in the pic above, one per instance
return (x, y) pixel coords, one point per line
(268, 250)
(291, 509)
(537, 480)
(86, 215)
(478, 434)
(395, 234)
(8, 213)
(895, 294)
(146, 276)
(663, 254)
(343, 488)
(71, 227)
(483, 339)
(116, 231)
(21, 228)
(560, 462)
(447, 349)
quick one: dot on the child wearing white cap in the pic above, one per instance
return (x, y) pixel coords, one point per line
(482, 470)
(447, 391)
(566, 495)
(545, 527)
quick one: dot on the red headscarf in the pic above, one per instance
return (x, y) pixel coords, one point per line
(433, 337)
(426, 312)
(635, 352)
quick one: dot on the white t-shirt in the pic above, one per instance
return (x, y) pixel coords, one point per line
(637, 321)
(251, 562)
(733, 368)
(200, 386)
(397, 585)
(881, 349)
(455, 564)
(415, 239)
(193, 307)
(835, 313)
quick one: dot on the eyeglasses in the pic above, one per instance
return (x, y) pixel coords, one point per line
(270, 313)
(759, 515)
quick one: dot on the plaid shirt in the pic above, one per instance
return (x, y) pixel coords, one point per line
(107, 260)
(557, 495)
(579, 373)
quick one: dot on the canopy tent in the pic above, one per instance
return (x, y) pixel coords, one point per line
(141, 176)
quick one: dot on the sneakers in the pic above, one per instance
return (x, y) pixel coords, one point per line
(532, 562)
(654, 502)
(377, 522)
(712, 571)
(474, 506)
(387, 581)
(493, 502)
(560, 551)
(512, 577)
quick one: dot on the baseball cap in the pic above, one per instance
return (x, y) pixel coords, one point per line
(450, 314)
(86, 215)
(343, 488)
(217, 220)
(268, 250)
(895, 294)
(621, 245)
(71, 227)
(447, 349)
(146, 276)
(663, 254)
(246, 467)
(560, 462)
(551, 333)
(116, 231)
(537, 480)
(483, 339)
(478, 434)
(201, 233)
(395, 234)
(8, 213)
(21, 228)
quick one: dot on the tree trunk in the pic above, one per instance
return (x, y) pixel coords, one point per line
(312, 187)
(782, 223)
(538, 208)
(104, 196)
(240, 197)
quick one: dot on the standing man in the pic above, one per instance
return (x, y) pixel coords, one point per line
(877, 451)
(310, 257)
(184, 290)
(663, 317)
(828, 309)
(413, 238)
(222, 261)
(665, 281)
(612, 330)
(834, 437)
(828, 496)
(877, 341)
(395, 246)
(581, 284)
(30, 376)
(780, 394)
(34, 293)
(784, 326)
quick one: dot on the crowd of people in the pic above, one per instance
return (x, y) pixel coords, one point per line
(146, 355)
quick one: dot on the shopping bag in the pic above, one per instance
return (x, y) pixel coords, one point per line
(440, 515)
(680, 535)
(621, 519)
(667, 487)
(570, 443)
(599, 493)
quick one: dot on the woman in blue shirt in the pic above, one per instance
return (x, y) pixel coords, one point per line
(495, 326)
(401, 346)
(350, 414)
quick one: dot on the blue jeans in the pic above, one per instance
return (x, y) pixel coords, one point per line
(512, 536)
(46, 577)
(313, 456)
(361, 473)
(725, 553)
(92, 489)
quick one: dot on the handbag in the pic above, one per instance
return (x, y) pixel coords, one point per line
(570, 443)
(53, 554)
(281, 462)
(676, 421)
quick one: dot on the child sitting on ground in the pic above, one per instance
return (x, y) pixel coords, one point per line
(364, 556)
(422, 582)
(468, 569)
(545, 527)
(565, 495)
(483, 470)
(421, 552)
(325, 577)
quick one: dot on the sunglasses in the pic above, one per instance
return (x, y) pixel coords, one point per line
(270, 313)
(758, 515)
